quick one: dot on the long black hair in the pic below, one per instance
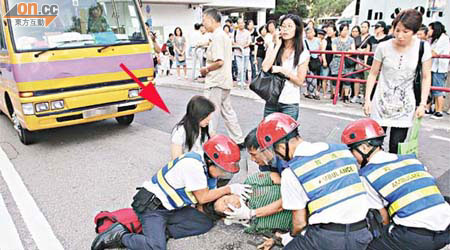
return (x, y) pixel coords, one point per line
(198, 109)
(175, 31)
(438, 29)
(298, 39)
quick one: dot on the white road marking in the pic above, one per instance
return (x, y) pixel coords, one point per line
(440, 138)
(8, 229)
(36, 222)
(337, 117)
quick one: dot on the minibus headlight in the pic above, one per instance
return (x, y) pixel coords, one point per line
(132, 93)
(28, 109)
(43, 106)
(57, 104)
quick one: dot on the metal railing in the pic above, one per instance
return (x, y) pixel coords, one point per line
(344, 77)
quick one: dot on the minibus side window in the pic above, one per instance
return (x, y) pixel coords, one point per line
(2, 36)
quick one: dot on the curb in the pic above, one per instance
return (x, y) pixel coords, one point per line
(338, 109)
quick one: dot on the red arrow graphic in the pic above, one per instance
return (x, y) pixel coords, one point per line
(148, 92)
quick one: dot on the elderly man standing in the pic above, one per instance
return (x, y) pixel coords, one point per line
(243, 39)
(218, 82)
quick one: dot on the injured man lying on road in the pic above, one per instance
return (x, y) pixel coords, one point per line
(266, 190)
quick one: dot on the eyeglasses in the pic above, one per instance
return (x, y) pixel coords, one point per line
(288, 27)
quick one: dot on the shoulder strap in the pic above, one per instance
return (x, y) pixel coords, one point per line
(306, 43)
(235, 32)
(421, 49)
(364, 41)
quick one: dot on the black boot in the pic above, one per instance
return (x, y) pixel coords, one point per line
(111, 238)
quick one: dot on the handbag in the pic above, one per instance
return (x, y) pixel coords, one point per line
(418, 77)
(411, 145)
(268, 86)
(181, 58)
(314, 63)
(350, 63)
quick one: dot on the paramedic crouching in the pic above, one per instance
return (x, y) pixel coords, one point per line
(402, 189)
(164, 204)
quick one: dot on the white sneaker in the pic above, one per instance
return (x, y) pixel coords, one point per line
(354, 99)
(178, 78)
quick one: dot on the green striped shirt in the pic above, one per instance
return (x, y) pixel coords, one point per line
(264, 193)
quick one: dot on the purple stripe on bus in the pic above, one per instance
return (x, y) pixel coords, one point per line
(30, 72)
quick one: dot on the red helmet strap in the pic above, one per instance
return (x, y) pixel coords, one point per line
(364, 156)
(286, 150)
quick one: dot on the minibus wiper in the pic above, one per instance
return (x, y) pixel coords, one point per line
(46, 50)
(57, 47)
(103, 48)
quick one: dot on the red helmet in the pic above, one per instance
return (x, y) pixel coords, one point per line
(273, 128)
(361, 130)
(224, 152)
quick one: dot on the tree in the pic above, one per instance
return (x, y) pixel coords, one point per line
(323, 8)
(291, 7)
(311, 8)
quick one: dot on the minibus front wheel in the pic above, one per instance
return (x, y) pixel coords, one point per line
(24, 134)
(125, 120)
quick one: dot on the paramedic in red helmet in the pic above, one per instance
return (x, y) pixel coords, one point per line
(414, 211)
(164, 204)
(321, 186)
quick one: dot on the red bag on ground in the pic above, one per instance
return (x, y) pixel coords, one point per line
(126, 217)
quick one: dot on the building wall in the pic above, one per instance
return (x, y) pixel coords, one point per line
(166, 17)
(260, 4)
(385, 8)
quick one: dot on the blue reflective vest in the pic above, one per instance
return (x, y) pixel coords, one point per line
(405, 184)
(329, 177)
(179, 198)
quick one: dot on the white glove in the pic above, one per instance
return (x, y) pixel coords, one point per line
(242, 213)
(286, 238)
(245, 223)
(241, 190)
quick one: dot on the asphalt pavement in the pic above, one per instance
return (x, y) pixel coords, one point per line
(72, 173)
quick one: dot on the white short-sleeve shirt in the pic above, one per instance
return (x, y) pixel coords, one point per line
(291, 92)
(436, 218)
(442, 47)
(179, 138)
(188, 173)
(295, 198)
(394, 103)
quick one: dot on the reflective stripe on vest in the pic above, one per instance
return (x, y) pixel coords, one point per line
(405, 184)
(179, 198)
(329, 177)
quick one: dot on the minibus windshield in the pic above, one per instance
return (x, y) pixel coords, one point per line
(78, 23)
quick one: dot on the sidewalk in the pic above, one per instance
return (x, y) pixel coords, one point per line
(323, 105)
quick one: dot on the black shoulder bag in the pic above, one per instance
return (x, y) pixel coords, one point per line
(418, 76)
(314, 63)
(268, 86)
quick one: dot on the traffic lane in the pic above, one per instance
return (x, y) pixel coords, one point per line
(93, 167)
(314, 126)
(75, 172)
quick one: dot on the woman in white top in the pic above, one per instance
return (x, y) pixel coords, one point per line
(193, 130)
(440, 45)
(269, 38)
(394, 103)
(291, 59)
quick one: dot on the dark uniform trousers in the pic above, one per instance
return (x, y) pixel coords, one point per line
(401, 238)
(178, 223)
(317, 238)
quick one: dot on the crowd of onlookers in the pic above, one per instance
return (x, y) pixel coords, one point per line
(251, 43)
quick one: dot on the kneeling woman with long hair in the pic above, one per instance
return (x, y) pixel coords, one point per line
(193, 130)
